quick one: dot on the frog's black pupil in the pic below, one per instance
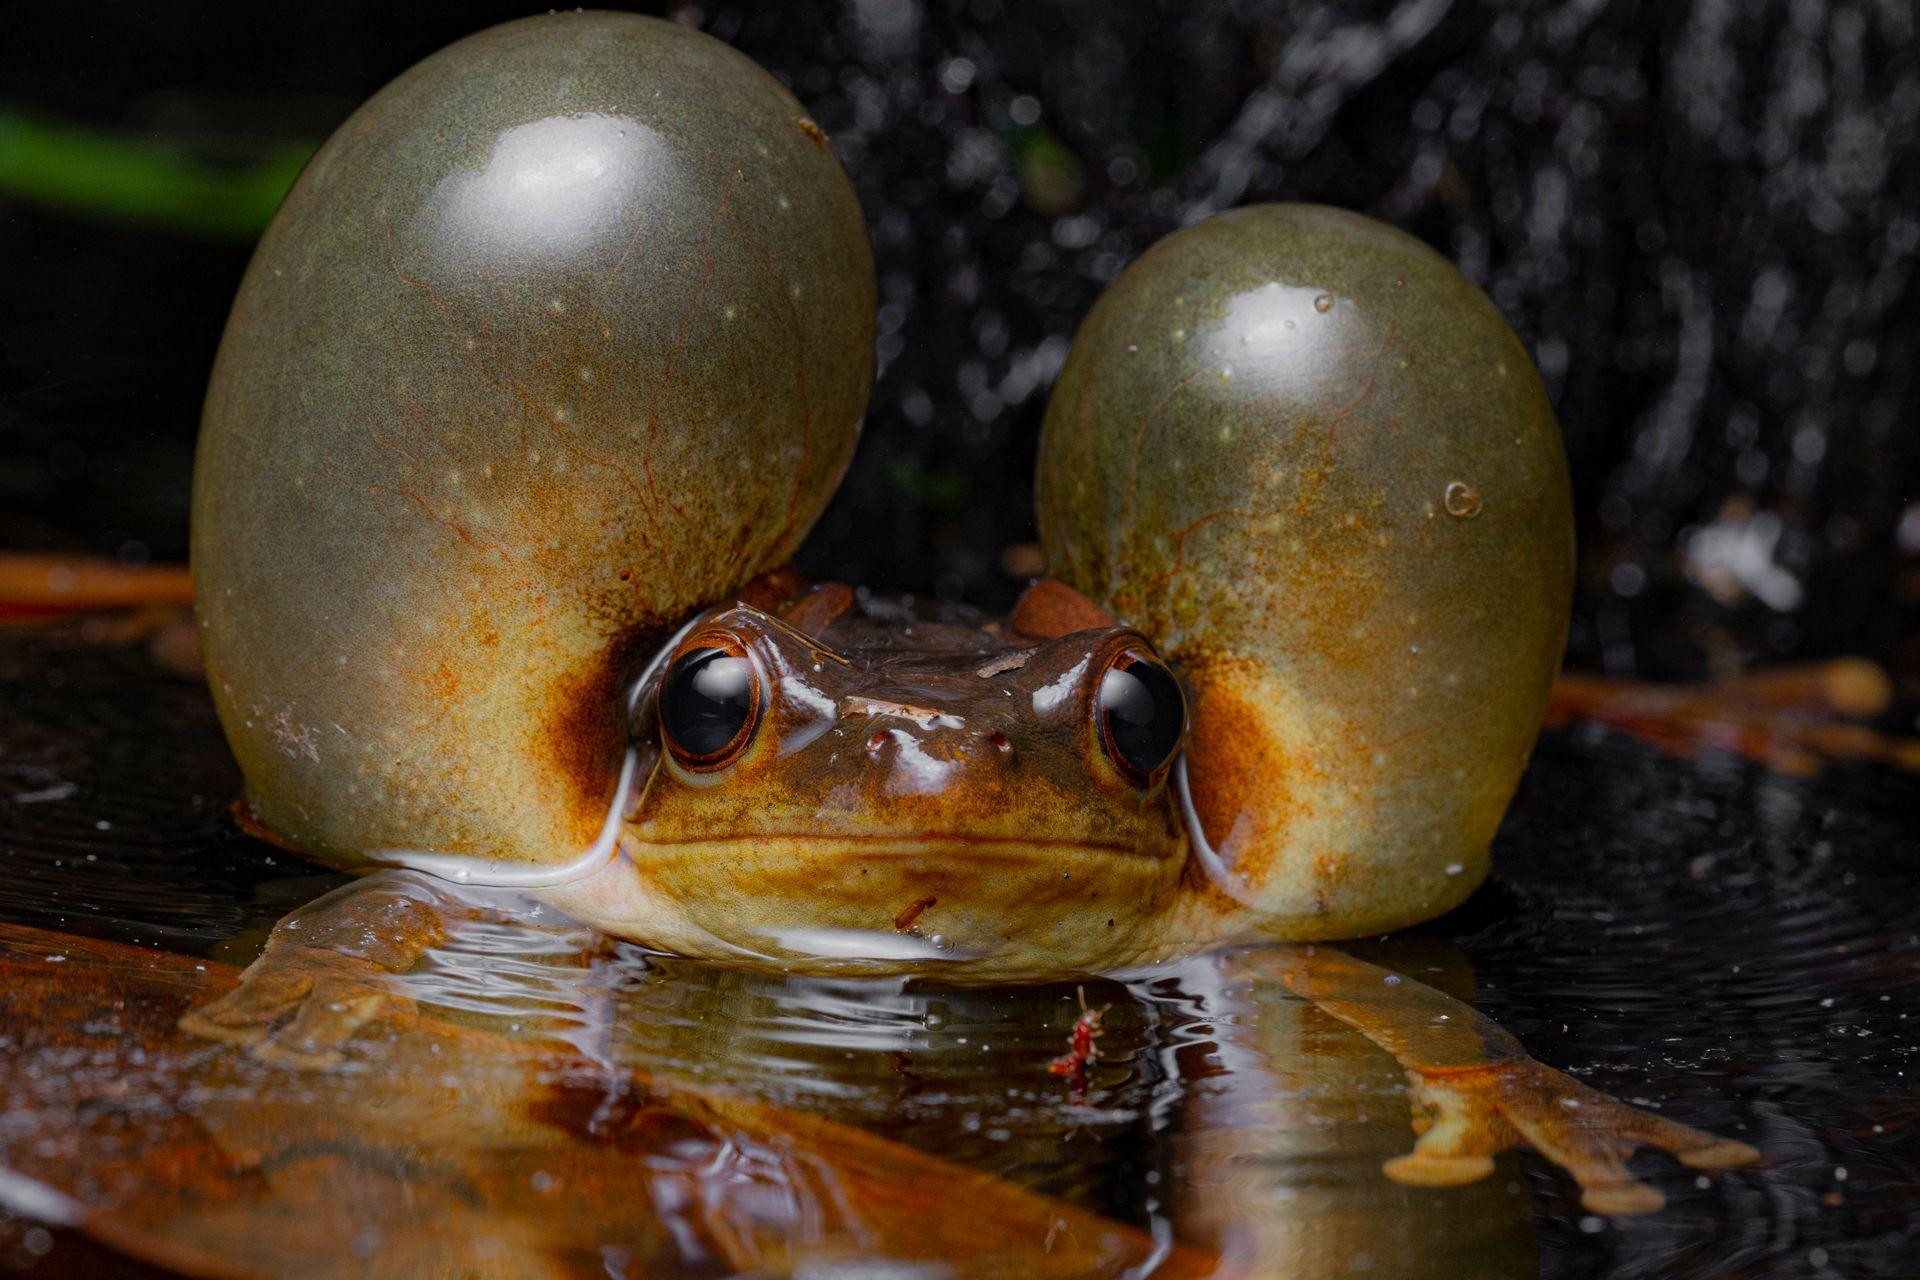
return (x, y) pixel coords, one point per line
(706, 700)
(1144, 713)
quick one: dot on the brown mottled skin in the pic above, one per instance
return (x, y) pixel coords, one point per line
(566, 335)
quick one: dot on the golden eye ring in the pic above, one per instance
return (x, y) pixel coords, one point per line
(1141, 714)
(709, 701)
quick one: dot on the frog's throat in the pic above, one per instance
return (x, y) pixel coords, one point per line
(509, 873)
(990, 906)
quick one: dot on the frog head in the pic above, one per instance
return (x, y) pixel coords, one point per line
(855, 779)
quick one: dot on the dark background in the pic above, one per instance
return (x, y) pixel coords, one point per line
(1702, 218)
(1700, 215)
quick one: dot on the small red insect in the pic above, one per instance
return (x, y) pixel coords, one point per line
(1081, 1050)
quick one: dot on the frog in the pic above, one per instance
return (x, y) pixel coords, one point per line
(532, 390)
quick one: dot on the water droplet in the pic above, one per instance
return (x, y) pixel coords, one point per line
(1323, 303)
(1454, 868)
(1463, 500)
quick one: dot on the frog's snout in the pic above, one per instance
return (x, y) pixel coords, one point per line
(914, 750)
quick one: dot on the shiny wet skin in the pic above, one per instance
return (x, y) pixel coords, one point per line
(1735, 948)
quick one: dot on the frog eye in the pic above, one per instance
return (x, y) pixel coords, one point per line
(1142, 715)
(709, 702)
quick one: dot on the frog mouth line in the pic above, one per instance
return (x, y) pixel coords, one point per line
(909, 843)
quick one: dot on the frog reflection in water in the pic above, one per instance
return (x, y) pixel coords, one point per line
(490, 424)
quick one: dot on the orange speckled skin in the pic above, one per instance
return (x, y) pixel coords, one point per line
(564, 334)
(1306, 456)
